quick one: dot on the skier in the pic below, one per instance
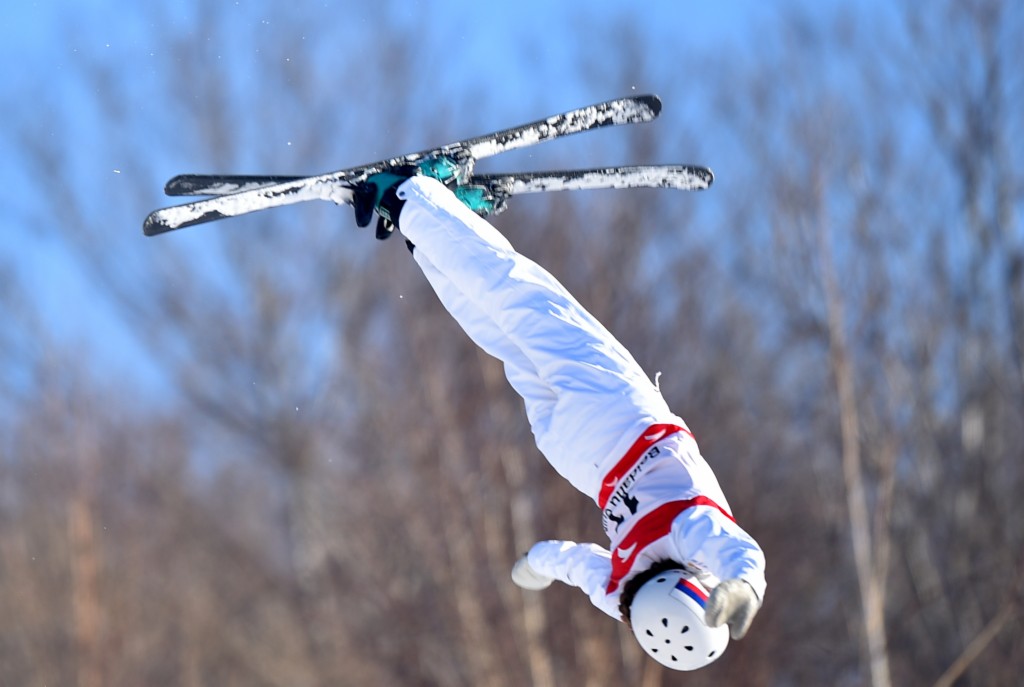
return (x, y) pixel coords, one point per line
(679, 570)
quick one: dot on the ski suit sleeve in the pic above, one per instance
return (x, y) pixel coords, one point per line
(586, 566)
(710, 542)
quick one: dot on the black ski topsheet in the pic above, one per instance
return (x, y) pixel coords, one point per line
(223, 184)
(337, 186)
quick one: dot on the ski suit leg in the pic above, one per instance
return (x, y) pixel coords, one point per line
(521, 373)
(519, 312)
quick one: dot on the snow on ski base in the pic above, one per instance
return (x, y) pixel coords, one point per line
(624, 111)
(683, 178)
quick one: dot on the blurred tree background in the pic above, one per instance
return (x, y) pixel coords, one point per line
(260, 453)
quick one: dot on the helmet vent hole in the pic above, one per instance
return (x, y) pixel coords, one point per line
(711, 654)
(686, 628)
(688, 648)
(668, 641)
(649, 633)
(662, 579)
(664, 622)
(674, 658)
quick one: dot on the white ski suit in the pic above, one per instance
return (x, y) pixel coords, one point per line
(595, 415)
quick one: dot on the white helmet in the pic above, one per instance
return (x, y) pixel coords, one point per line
(667, 616)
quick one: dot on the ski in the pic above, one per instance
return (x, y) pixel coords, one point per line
(337, 186)
(682, 177)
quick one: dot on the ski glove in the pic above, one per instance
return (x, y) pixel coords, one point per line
(732, 602)
(528, 578)
(379, 192)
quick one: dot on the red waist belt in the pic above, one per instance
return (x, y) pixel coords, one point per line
(650, 528)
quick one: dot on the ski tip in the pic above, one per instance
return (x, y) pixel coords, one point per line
(158, 223)
(153, 226)
(651, 101)
(701, 178)
(162, 221)
(175, 186)
(706, 175)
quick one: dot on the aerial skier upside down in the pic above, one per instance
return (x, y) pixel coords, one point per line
(678, 570)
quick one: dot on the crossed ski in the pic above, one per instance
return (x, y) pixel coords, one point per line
(235, 195)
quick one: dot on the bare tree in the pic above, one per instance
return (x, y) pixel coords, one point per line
(310, 476)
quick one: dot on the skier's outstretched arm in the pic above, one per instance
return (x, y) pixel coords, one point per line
(586, 566)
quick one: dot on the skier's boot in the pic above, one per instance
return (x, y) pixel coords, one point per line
(479, 199)
(378, 193)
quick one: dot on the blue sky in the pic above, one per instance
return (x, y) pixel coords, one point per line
(514, 52)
